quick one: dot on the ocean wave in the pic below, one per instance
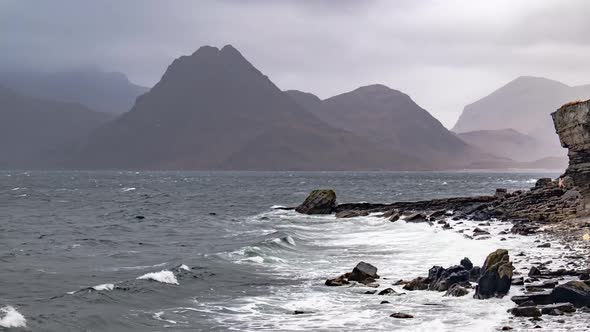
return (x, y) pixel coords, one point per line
(128, 189)
(104, 287)
(275, 207)
(164, 276)
(11, 318)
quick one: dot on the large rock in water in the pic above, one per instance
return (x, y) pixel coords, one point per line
(364, 273)
(572, 124)
(496, 276)
(574, 292)
(319, 201)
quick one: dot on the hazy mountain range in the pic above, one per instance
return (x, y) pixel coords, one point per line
(101, 91)
(215, 110)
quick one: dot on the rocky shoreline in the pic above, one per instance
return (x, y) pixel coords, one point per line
(554, 212)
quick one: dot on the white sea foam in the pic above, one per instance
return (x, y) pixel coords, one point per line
(164, 276)
(104, 287)
(274, 207)
(128, 189)
(184, 267)
(10, 318)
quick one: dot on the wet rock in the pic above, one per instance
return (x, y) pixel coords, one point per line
(419, 283)
(562, 307)
(457, 291)
(351, 214)
(416, 217)
(518, 281)
(544, 183)
(496, 276)
(394, 217)
(544, 245)
(534, 271)
(371, 292)
(526, 312)
(466, 263)
(506, 328)
(536, 298)
(320, 201)
(384, 302)
(387, 214)
(364, 273)
(479, 231)
(139, 217)
(340, 281)
(574, 292)
(401, 315)
(437, 214)
(500, 192)
(474, 274)
(387, 291)
(300, 312)
(442, 279)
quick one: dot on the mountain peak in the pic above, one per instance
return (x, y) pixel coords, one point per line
(374, 88)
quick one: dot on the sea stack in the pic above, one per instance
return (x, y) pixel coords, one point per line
(572, 124)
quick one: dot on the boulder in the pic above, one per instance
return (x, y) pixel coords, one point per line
(543, 183)
(562, 307)
(364, 273)
(419, 283)
(401, 315)
(416, 217)
(466, 263)
(387, 291)
(496, 276)
(319, 201)
(536, 298)
(340, 281)
(457, 291)
(526, 312)
(574, 292)
(351, 214)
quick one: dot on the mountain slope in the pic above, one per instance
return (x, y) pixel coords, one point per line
(97, 90)
(524, 105)
(37, 133)
(214, 110)
(507, 143)
(391, 118)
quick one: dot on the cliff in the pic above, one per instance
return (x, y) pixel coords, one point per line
(572, 124)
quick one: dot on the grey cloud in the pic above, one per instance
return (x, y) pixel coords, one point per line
(445, 54)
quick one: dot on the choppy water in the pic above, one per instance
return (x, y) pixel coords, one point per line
(74, 256)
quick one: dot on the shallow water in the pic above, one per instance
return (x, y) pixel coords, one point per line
(75, 257)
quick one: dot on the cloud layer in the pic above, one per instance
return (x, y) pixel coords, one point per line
(445, 54)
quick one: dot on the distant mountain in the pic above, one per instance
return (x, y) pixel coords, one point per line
(507, 143)
(525, 105)
(214, 110)
(97, 90)
(391, 118)
(37, 133)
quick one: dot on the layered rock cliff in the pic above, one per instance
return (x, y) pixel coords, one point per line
(572, 124)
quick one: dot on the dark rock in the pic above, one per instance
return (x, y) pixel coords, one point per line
(474, 273)
(387, 291)
(544, 183)
(364, 273)
(536, 298)
(544, 245)
(351, 214)
(340, 281)
(401, 315)
(534, 271)
(457, 291)
(574, 292)
(437, 214)
(562, 307)
(394, 217)
(320, 201)
(500, 192)
(370, 292)
(139, 217)
(299, 312)
(506, 328)
(525, 312)
(466, 263)
(419, 283)
(518, 281)
(389, 213)
(212, 213)
(384, 302)
(416, 217)
(496, 276)
(479, 231)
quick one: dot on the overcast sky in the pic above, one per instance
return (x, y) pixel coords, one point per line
(444, 54)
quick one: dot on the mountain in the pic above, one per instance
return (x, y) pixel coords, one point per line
(524, 105)
(97, 90)
(507, 143)
(215, 110)
(37, 133)
(391, 118)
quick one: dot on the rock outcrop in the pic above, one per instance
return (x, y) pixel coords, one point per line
(496, 276)
(572, 124)
(319, 201)
(363, 273)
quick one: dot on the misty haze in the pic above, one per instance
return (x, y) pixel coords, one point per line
(294, 165)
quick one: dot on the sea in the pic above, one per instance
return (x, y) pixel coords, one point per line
(211, 251)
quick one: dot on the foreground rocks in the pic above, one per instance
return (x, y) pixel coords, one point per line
(455, 280)
(320, 201)
(496, 276)
(363, 273)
